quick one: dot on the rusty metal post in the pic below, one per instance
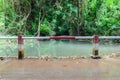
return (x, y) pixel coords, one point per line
(20, 47)
(95, 53)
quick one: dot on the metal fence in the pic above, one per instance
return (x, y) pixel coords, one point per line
(12, 47)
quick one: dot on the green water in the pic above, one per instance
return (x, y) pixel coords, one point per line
(59, 48)
(35, 48)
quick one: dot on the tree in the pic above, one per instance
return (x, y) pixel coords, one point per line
(60, 17)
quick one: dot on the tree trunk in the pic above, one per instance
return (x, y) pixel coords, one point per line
(39, 24)
(79, 16)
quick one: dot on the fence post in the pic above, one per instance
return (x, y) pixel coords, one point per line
(95, 53)
(20, 47)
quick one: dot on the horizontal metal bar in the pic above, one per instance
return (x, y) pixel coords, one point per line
(109, 37)
(8, 38)
(63, 37)
(46, 37)
(83, 37)
(25, 37)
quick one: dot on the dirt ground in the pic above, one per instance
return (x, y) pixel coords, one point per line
(78, 69)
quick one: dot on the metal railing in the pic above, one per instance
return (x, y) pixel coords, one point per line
(63, 37)
(94, 38)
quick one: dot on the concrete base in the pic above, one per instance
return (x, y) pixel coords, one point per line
(95, 57)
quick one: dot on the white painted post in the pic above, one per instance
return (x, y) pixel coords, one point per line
(20, 47)
(95, 53)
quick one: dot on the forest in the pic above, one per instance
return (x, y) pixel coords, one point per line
(60, 17)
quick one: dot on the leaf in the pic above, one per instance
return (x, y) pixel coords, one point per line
(58, 12)
(113, 27)
(64, 17)
(69, 5)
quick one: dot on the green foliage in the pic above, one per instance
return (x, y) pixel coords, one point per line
(102, 17)
(108, 18)
(2, 15)
(60, 17)
(45, 28)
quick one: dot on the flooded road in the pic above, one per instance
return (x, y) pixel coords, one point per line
(80, 69)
